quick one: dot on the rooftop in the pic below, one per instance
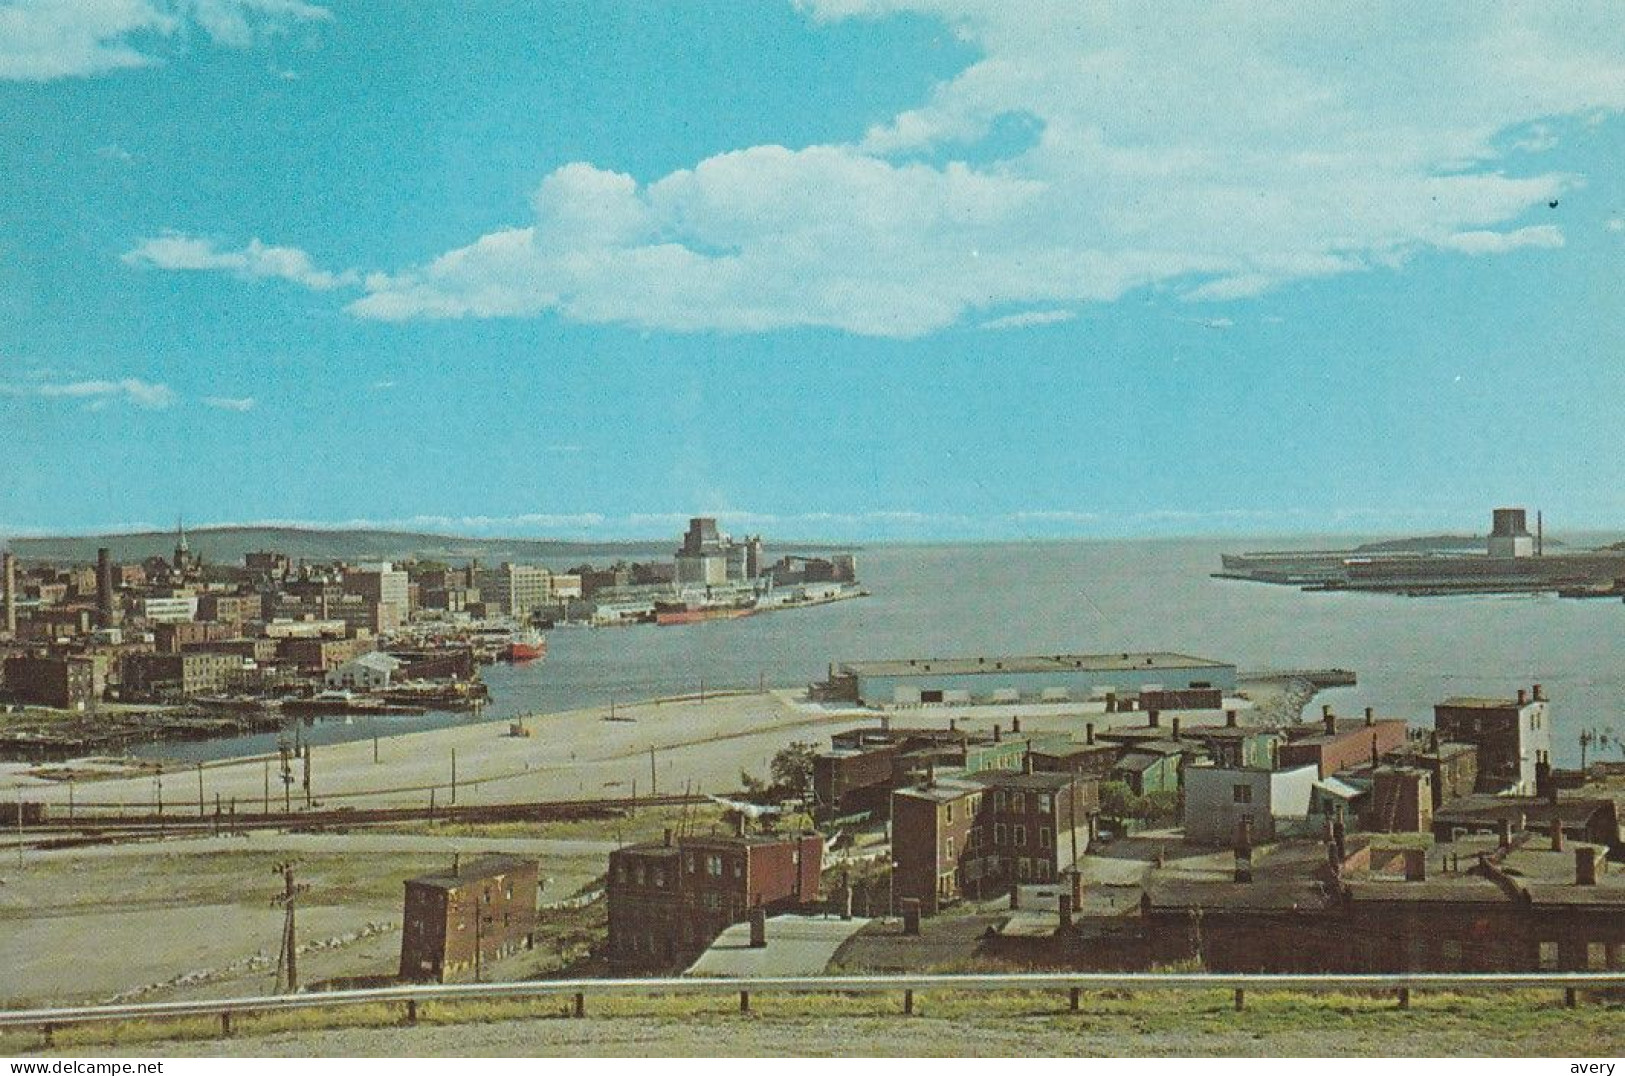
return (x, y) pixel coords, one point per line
(473, 871)
(1475, 702)
(1033, 664)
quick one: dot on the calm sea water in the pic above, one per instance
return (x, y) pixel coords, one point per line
(1051, 597)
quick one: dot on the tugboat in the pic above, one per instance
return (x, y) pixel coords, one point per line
(526, 645)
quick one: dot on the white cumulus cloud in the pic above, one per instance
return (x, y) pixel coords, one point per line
(49, 39)
(1217, 150)
(230, 403)
(255, 261)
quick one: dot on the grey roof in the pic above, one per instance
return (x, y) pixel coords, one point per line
(1033, 664)
(473, 871)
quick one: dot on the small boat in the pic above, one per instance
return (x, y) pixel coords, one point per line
(526, 646)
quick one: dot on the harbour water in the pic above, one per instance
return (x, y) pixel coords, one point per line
(1084, 596)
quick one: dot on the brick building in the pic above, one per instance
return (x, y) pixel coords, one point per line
(669, 900)
(1339, 743)
(977, 835)
(174, 638)
(323, 655)
(65, 683)
(157, 676)
(455, 924)
(1512, 736)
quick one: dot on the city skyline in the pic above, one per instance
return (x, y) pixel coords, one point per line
(844, 270)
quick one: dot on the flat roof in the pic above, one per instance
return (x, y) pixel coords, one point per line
(474, 870)
(1122, 662)
(1479, 702)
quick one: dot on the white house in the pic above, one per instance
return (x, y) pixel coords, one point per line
(1217, 798)
(369, 672)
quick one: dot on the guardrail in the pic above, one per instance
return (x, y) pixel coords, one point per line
(579, 990)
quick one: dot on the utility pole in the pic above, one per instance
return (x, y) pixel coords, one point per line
(287, 777)
(200, 790)
(454, 775)
(307, 777)
(654, 781)
(19, 829)
(267, 802)
(375, 750)
(287, 964)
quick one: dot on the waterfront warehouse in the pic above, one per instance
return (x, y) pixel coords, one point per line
(1048, 678)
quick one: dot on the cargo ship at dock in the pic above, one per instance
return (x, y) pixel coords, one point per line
(695, 612)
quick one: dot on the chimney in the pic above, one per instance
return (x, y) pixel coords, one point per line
(1585, 866)
(1244, 850)
(1230, 719)
(1523, 696)
(1416, 865)
(1340, 836)
(1329, 719)
(1545, 783)
(667, 840)
(998, 733)
(456, 865)
(1089, 733)
(1027, 761)
(1153, 719)
(739, 823)
(1015, 725)
(910, 907)
(758, 927)
(1370, 717)
(104, 587)
(1066, 911)
(1504, 833)
(1557, 834)
(953, 724)
(1540, 694)
(8, 580)
(1176, 728)
(1374, 758)
(930, 772)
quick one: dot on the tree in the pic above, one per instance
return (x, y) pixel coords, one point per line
(792, 769)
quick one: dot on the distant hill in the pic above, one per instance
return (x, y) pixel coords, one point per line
(227, 545)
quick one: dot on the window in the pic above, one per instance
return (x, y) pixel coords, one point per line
(1548, 956)
(1242, 793)
(1018, 802)
(1021, 836)
(998, 833)
(1044, 803)
(1045, 838)
(713, 866)
(950, 810)
(950, 848)
(1596, 956)
(642, 875)
(660, 878)
(1450, 949)
(739, 869)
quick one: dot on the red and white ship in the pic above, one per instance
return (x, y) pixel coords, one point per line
(526, 646)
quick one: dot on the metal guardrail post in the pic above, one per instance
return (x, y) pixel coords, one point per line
(1072, 998)
(908, 1003)
(225, 1024)
(1241, 999)
(411, 1012)
(1571, 998)
(1404, 997)
(581, 1006)
(48, 1033)
(744, 1001)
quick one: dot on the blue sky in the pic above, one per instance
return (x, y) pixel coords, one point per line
(842, 268)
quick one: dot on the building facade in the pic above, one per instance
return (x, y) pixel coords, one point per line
(1512, 736)
(1056, 678)
(456, 924)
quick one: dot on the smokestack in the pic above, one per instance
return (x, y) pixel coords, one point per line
(1557, 834)
(1540, 694)
(953, 724)
(104, 587)
(1230, 719)
(1585, 866)
(9, 571)
(1153, 719)
(1370, 716)
(1329, 719)
(1523, 696)
(1176, 728)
